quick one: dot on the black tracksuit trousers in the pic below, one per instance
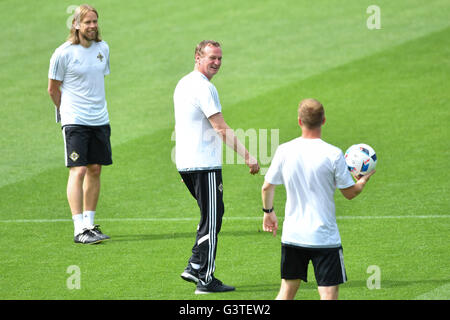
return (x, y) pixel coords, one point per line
(206, 187)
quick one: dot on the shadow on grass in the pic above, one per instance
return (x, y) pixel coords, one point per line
(182, 235)
(262, 287)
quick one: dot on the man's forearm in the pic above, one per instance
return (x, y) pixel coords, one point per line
(233, 142)
(267, 194)
(357, 188)
(54, 91)
(55, 95)
(229, 138)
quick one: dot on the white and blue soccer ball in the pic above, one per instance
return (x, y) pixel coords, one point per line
(361, 159)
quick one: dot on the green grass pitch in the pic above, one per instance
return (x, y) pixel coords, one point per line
(386, 87)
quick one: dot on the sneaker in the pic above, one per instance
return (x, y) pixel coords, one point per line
(214, 286)
(190, 274)
(95, 229)
(87, 237)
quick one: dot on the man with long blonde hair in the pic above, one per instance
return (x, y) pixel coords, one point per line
(77, 35)
(77, 89)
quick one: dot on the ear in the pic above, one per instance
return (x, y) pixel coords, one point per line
(197, 58)
(323, 122)
(300, 121)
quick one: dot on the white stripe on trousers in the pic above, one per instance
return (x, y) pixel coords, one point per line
(212, 216)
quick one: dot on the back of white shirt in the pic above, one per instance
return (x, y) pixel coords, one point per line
(82, 71)
(310, 170)
(198, 146)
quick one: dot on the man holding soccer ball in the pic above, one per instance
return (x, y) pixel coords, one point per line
(311, 170)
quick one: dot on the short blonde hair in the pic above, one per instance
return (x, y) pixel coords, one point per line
(80, 13)
(311, 112)
(200, 49)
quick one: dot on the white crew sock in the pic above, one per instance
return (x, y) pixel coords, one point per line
(88, 219)
(77, 223)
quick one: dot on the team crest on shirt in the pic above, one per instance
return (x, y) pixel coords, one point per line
(100, 57)
(74, 156)
(221, 188)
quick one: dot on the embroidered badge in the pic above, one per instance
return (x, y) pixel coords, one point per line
(74, 156)
(100, 57)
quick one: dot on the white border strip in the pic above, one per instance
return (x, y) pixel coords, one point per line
(431, 216)
(436, 216)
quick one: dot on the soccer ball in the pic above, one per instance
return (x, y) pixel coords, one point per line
(361, 159)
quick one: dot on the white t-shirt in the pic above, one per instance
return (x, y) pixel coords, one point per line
(310, 170)
(82, 71)
(198, 146)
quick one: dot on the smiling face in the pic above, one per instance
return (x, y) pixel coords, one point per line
(88, 27)
(84, 28)
(209, 60)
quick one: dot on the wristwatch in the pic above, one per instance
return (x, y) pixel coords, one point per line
(267, 210)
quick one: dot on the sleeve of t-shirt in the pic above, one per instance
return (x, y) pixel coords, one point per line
(342, 175)
(274, 174)
(57, 68)
(209, 101)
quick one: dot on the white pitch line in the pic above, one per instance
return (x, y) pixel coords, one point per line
(432, 216)
(436, 216)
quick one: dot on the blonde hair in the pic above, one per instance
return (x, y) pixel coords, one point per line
(311, 112)
(200, 49)
(80, 13)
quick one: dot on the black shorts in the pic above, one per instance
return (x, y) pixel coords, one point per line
(87, 145)
(328, 264)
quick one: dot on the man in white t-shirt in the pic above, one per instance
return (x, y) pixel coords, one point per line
(200, 130)
(311, 170)
(77, 88)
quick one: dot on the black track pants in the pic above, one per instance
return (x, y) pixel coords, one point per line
(206, 187)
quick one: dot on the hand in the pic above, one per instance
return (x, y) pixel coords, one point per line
(252, 163)
(366, 177)
(270, 223)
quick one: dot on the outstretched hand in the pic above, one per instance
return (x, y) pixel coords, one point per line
(253, 164)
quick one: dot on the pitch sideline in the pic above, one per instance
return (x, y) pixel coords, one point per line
(444, 216)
